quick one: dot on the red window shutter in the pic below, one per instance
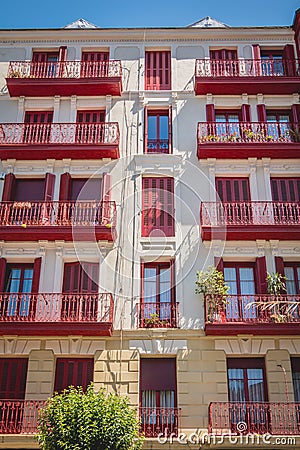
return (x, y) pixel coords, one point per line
(256, 51)
(158, 374)
(157, 70)
(170, 134)
(36, 275)
(49, 187)
(246, 116)
(261, 275)
(65, 186)
(71, 277)
(173, 280)
(81, 277)
(261, 113)
(233, 189)
(2, 273)
(106, 187)
(210, 113)
(296, 114)
(145, 129)
(279, 264)
(289, 60)
(9, 186)
(62, 53)
(285, 189)
(219, 264)
(73, 372)
(13, 374)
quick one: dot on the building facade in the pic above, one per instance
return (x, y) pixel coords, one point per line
(130, 160)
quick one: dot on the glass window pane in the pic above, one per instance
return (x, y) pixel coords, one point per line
(230, 278)
(150, 284)
(165, 285)
(152, 127)
(290, 281)
(164, 127)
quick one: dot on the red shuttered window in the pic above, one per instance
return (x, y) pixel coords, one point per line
(285, 189)
(94, 64)
(13, 374)
(158, 70)
(158, 207)
(233, 189)
(73, 372)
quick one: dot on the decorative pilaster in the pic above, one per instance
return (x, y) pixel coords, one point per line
(21, 110)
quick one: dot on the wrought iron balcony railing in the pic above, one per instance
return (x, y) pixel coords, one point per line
(265, 67)
(215, 214)
(252, 309)
(65, 69)
(247, 132)
(159, 420)
(54, 307)
(58, 214)
(158, 315)
(255, 418)
(19, 416)
(59, 133)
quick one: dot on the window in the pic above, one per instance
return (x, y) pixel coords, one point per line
(45, 64)
(37, 127)
(19, 280)
(233, 189)
(158, 207)
(158, 396)
(80, 278)
(157, 70)
(247, 383)
(295, 363)
(240, 277)
(292, 273)
(158, 131)
(278, 124)
(272, 62)
(158, 306)
(94, 64)
(286, 197)
(228, 123)
(73, 372)
(224, 62)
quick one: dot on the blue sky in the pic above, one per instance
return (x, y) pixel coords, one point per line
(154, 13)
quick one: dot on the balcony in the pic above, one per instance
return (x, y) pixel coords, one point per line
(158, 315)
(254, 314)
(250, 220)
(248, 140)
(159, 420)
(251, 76)
(59, 140)
(51, 314)
(19, 416)
(65, 78)
(80, 220)
(257, 418)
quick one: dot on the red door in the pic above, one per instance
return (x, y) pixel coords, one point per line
(158, 70)
(286, 198)
(80, 292)
(158, 207)
(234, 194)
(224, 63)
(90, 128)
(94, 64)
(73, 372)
(37, 127)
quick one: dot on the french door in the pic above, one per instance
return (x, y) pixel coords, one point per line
(45, 64)
(94, 64)
(89, 127)
(241, 280)
(228, 125)
(80, 289)
(18, 284)
(224, 63)
(286, 198)
(73, 372)
(247, 394)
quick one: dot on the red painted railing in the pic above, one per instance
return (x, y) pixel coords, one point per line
(254, 418)
(251, 309)
(19, 416)
(249, 213)
(159, 420)
(59, 133)
(247, 132)
(65, 69)
(158, 146)
(44, 307)
(266, 67)
(83, 213)
(158, 315)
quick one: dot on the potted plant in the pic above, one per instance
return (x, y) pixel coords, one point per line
(212, 285)
(276, 287)
(154, 321)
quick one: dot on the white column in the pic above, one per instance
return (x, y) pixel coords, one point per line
(56, 109)
(253, 179)
(58, 270)
(212, 179)
(267, 178)
(21, 109)
(42, 253)
(108, 100)
(174, 135)
(73, 110)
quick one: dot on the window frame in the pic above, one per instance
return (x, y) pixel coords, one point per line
(151, 112)
(158, 73)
